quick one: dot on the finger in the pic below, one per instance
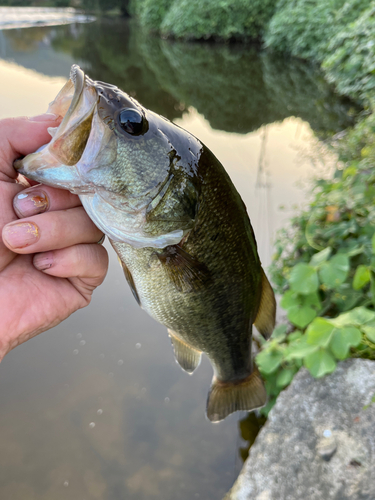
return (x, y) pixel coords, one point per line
(18, 136)
(40, 198)
(7, 192)
(88, 263)
(21, 136)
(51, 231)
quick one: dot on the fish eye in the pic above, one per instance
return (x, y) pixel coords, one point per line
(132, 121)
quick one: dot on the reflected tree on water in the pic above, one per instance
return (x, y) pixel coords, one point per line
(234, 86)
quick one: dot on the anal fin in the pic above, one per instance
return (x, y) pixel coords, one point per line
(265, 319)
(186, 356)
(225, 398)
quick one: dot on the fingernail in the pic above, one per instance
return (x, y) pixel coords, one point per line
(21, 235)
(30, 202)
(43, 261)
(46, 117)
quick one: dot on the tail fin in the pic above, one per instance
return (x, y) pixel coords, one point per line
(265, 320)
(225, 398)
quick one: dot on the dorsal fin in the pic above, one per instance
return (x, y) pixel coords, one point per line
(225, 398)
(265, 319)
(186, 356)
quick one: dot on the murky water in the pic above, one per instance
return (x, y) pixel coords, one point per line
(97, 408)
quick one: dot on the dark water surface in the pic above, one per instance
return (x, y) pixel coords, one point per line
(97, 408)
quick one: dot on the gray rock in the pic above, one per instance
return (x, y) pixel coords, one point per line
(318, 442)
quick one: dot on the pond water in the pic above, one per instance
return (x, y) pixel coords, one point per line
(97, 408)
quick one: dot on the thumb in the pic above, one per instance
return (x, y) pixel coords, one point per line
(22, 136)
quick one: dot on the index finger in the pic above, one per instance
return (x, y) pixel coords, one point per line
(41, 198)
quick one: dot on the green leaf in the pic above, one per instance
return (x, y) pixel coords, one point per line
(356, 317)
(345, 297)
(320, 257)
(343, 339)
(279, 333)
(320, 363)
(294, 335)
(312, 299)
(303, 279)
(299, 349)
(369, 329)
(373, 243)
(372, 288)
(319, 332)
(301, 316)
(270, 382)
(285, 377)
(335, 271)
(269, 360)
(289, 299)
(356, 251)
(362, 277)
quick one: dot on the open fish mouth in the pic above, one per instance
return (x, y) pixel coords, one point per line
(75, 103)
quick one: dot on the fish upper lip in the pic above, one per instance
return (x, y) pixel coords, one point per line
(77, 76)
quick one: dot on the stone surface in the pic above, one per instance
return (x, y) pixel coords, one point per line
(318, 442)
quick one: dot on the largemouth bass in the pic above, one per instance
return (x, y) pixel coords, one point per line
(177, 223)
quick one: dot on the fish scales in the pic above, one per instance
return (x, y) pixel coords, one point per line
(220, 239)
(177, 223)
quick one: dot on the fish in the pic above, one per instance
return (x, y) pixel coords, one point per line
(177, 223)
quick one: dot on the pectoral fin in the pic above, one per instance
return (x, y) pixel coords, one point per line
(186, 272)
(225, 398)
(265, 319)
(186, 356)
(129, 279)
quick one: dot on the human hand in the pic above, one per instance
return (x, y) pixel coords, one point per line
(50, 263)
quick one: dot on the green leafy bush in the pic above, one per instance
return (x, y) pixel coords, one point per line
(223, 19)
(324, 268)
(152, 12)
(324, 342)
(350, 64)
(304, 28)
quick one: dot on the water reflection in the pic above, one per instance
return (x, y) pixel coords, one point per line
(249, 428)
(151, 439)
(233, 86)
(240, 90)
(22, 40)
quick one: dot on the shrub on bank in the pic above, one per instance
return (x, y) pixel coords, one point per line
(351, 63)
(223, 19)
(152, 12)
(304, 28)
(324, 267)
